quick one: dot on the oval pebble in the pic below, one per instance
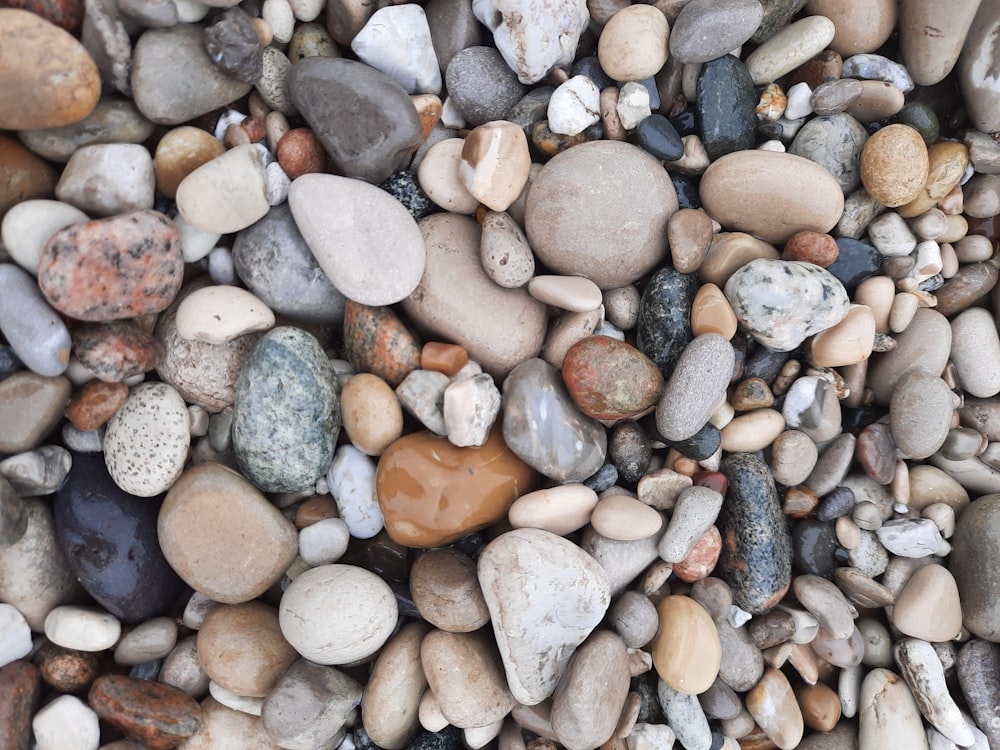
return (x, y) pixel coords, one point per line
(920, 414)
(82, 628)
(32, 328)
(624, 518)
(686, 651)
(27, 227)
(561, 509)
(695, 388)
(219, 314)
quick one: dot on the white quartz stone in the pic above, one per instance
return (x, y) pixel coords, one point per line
(574, 106)
(352, 484)
(397, 41)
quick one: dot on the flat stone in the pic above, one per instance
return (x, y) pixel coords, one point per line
(447, 658)
(686, 651)
(795, 44)
(157, 715)
(561, 509)
(309, 705)
(975, 73)
(705, 31)
(930, 589)
(219, 314)
(974, 342)
(920, 412)
(623, 518)
(923, 347)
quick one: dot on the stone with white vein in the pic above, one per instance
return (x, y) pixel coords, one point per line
(352, 484)
(574, 106)
(471, 406)
(397, 41)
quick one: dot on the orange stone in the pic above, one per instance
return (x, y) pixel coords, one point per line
(315, 509)
(446, 358)
(376, 341)
(95, 404)
(180, 152)
(433, 493)
(610, 379)
(156, 714)
(300, 152)
(429, 110)
(811, 247)
(686, 651)
(702, 558)
(820, 706)
(800, 502)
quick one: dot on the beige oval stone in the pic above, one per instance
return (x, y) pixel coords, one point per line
(793, 457)
(371, 413)
(495, 163)
(561, 509)
(946, 165)
(226, 194)
(923, 347)
(931, 35)
(457, 301)
(392, 696)
(181, 151)
(878, 101)
(848, 342)
(438, 175)
(687, 652)
(904, 307)
(504, 251)
(929, 485)
(928, 607)
(27, 227)
(772, 704)
(894, 165)
(789, 48)
(241, 648)
(975, 352)
(565, 330)
(446, 591)
(860, 25)
(920, 412)
(625, 519)
(771, 195)
(634, 43)
(712, 313)
(689, 233)
(219, 314)
(888, 715)
(730, 251)
(752, 431)
(206, 498)
(878, 293)
(370, 247)
(573, 293)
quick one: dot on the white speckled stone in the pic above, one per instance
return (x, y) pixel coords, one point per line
(146, 443)
(352, 484)
(397, 41)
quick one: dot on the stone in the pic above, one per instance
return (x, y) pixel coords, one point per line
(28, 176)
(623, 518)
(371, 413)
(453, 27)
(792, 46)
(116, 351)
(356, 263)
(923, 671)
(689, 233)
(931, 588)
(31, 327)
(471, 406)
(974, 341)
(422, 393)
(180, 152)
(15, 635)
(894, 165)
(397, 41)
(172, 100)
(695, 511)
(376, 341)
(206, 497)
(763, 193)
(923, 347)
(686, 651)
(219, 314)
(725, 106)
(495, 164)
(658, 137)
(947, 163)
(859, 29)
(977, 664)
(712, 313)
(971, 282)
(609, 379)
(367, 139)
(234, 46)
(47, 71)
(834, 97)
(20, 694)
(664, 329)
(706, 31)
(849, 342)
(66, 722)
(695, 388)
(82, 628)
(504, 251)
(224, 727)
(975, 74)
(920, 412)
(971, 565)
(285, 414)
(685, 715)
(563, 578)
(226, 194)
(568, 221)
(635, 619)
(446, 591)
(446, 659)
(835, 142)
(106, 179)
(929, 58)
(482, 85)
(366, 607)
(30, 406)
(154, 639)
(439, 176)
(389, 705)
(27, 226)
(84, 273)
(157, 715)
(420, 477)
(574, 106)
(561, 510)
(634, 44)
(888, 712)
(351, 479)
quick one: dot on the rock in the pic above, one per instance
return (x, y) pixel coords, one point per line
(574, 106)
(67, 722)
(471, 406)
(439, 176)
(504, 251)
(352, 482)
(366, 608)
(232, 43)
(772, 704)
(224, 727)
(180, 152)
(453, 26)
(970, 283)
(397, 41)
(695, 511)
(422, 393)
(389, 705)
(858, 29)
(931, 57)
(30, 406)
(920, 412)
(157, 715)
(563, 578)
(683, 712)
(20, 694)
(29, 224)
(285, 415)
(481, 84)
(561, 509)
(789, 48)
(977, 665)
(888, 713)
(975, 73)
(698, 383)
(894, 165)
(930, 589)
(568, 220)
(82, 628)
(706, 31)
(495, 164)
(171, 100)
(686, 651)
(623, 518)
(384, 236)
(421, 476)
(219, 314)
(107, 179)
(835, 143)
(226, 194)
(763, 193)
(47, 71)
(725, 105)
(971, 564)
(923, 671)
(152, 640)
(974, 341)
(947, 163)
(376, 341)
(528, 54)
(663, 329)
(32, 328)
(446, 659)
(633, 44)
(309, 705)
(458, 302)
(609, 379)
(366, 139)
(446, 591)
(371, 413)
(923, 347)
(206, 497)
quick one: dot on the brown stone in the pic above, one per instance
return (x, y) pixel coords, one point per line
(47, 78)
(300, 152)
(180, 152)
(376, 341)
(67, 670)
(799, 502)
(971, 283)
(701, 560)
(686, 651)
(446, 358)
(25, 176)
(878, 101)
(19, 688)
(876, 452)
(811, 247)
(610, 379)
(894, 165)
(689, 232)
(95, 404)
(315, 509)
(823, 68)
(711, 312)
(750, 394)
(820, 706)
(432, 493)
(446, 591)
(429, 110)
(30, 407)
(158, 715)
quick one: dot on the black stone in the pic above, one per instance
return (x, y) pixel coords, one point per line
(686, 189)
(590, 66)
(602, 479)
(699, 446)
(657, 137)
(110, 541)
(931, 284)
(9, 361)
(770, 131)
(855, 419)
(630, 450)
(650, 710)
(922, 118)
(449, 738)
(756, 558)
(664, 327)
(814, 547)
(685, 123)
(725, 102)
(232, 43)
(835, 504)
(403, 186)
(856, 261)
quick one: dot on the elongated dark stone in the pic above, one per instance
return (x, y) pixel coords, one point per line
(664, 327)
(725, 106)
(856, 261)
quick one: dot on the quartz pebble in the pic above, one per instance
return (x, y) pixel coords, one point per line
(82, 628)
(219, 314)
(67, 723)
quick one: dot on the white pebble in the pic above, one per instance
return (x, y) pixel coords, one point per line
(471, 406)
(196, 610)
(324, 542)
(227, 118)
(229, 699)
(15, 635)
(278, 15)
(422, 394)
(67, 723)
(927, 260)
(151, 640)
(772, 145)
(911, 537)
(27, 227)
(605, 328)
(277, 184)
(477, 737)
(352, 484)
(451, 115)
(574, 106)
(195, 243)
(397, 41)
(798, 101)
(633, 104)
(82, 628)
(220, 266)
(891, 235)
(219, 314)
(307, 10)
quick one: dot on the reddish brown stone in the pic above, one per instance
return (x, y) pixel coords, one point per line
(315, 509)
(609, 379)
(67, 670)
(158, 715)
(66, 14)
(429, 109)
(702, 558)
(122, 267)
(116, 351)
(95, 404)
(300, 152)
(714, 480)
(799, 502)
(823, 68)
(23, 175)
(446, 358)
(376, 341)
(876, 452)
(19, 686)
(811, 247)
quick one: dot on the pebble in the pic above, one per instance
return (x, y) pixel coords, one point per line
(772, 704)
(894, 165)
(920, 413)
(633, 44)
(623, 518)
(931, 588)
(712, 313)
(635, 619)
(562, 577)
(706, 31)
(153, 639)
(181, 151)
(689, 232)
(67, 723)
(663, 330)
(971, 563)
(371, 413)
(107, 179)
(923, 347)
(232, 43)
(971, 282)
(21, 689)
(923, 671)
(504, 251)
(849, 342)
(32, 328)
(219, 314)
(366, 607)
(207, 199)
(792, 46)
(930, 58)
(439, 177)
(976, 663)
(389, 704)
(685, 716)
(157, 715)
(116, 351)
(793, 457)
(422, 393)
(974, 342)
(481, 85)
(566, 219)
(471, 406)
(82, 628)
(205, 497)
(609, 379)
(561, 510)
(683, 409)
(420, 474)
(351, 479)
(446, 591)
(15, 635)
(686, 651)
(309, 705)
(397, 41)
(835, 142)
(495, 164)
(888, 713)
(975, 74)
(574, 106)
(725, 106)
(27, 227)
(858, 29)
(376, 341)
(225, 727)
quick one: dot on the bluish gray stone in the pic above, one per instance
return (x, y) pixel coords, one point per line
(481, 84)
(34, 330)
(707, 29)
(725, 105)
(834, 142)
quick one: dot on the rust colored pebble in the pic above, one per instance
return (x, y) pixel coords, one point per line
(95, 404)
(19, 687)
(25, 176)
(111, 269)
(446, 358)
(300, 152)
(158, 715)
(66, 14)
(800, 502)
(610, 379)
(116, 351)
(820, 706)
(67, 670)
(376, 341)
(429, 109)
(702, 558)
(254, 129)
(823, 68)
(714, 480)
(315, 509)
(876, 452)
(811, 247)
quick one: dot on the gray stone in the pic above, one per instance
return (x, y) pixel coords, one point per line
(542, 425)
(707, 29)
(872, 67)
(32, 328)
(453, 28)
(978, 668)
(104, 35)
(114, 120)
(920, 412)
(975, 563)
(621, 561)
(285, 416)
(232, 43)
(38, 472)
(910, 537)
(923, 347)
(14, 518)
(695, 387)
(481, 85)
(686, 716)
(835, 96)
(975, 350)
(834, 142)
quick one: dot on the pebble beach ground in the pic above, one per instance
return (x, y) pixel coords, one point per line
(507, 374)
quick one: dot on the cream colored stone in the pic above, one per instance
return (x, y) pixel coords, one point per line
(931, 36)
(371, 412)
(712, 313)
(448, 660)
(391, 698)
(561, 509)
(219, 314)
(573, 293)
(625, 519)
(772, 704)
(661, 488)
(928, 607)
(848, 342)
(904, 307)
(226, 194)
(789, 48)
(438, 174)
(82, 628)
(621, 306)
(888, 715)
(752, 431)
(633, 44)
(28, 225)
(687, 652)
(878, 293)
(495, 164)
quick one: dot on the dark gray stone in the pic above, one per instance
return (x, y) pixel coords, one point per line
(481, 85)
(707, 29)
(725, 106)
(232, 43)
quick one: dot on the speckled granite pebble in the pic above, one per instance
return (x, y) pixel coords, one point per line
(116, 351)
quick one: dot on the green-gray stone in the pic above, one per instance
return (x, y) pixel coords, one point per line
(286, 416)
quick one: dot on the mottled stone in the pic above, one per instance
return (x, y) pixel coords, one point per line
(978, 668)
(20, 691)
(706, 30)
(609, 379)
(695, 387)
(27, 176)
(116, 351)
(834, 142)
(376, 341)
(232, 43)
(157, 715)
(894, 165)
(481, 84)
(286, 418)
(725, 106)
(664, 328)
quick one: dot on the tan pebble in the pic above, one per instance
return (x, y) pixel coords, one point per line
(712, 313)
(878, 100)
(943, 516)
(573, 293)
(793, 456)
(371, 413)
(495, 163)
(848, 342)
(315, 509)
(792, 46)
(504, 251)
(772, 704)
(958, 227)
(633, 44)
(438, 175)
(848, 532)
(860, 26)
(429, 713)
(621, 306)
(878, 293)
(730, 251)
(561, 509)
(695, 159)
(226, 194)
(969, 249)
(613, 128)
(219, 314)
(904, 307)
(752, 431)
(625, 519)
(392, 695)
(929, 484)
(931, 589)
(566, 330)
(894, 165)
(446, 591)
(946, 165)
(689, 232)
(181, 151)
(687, 652)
